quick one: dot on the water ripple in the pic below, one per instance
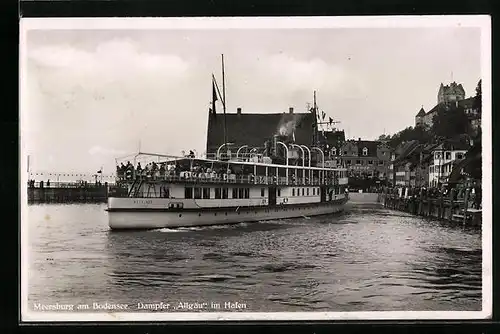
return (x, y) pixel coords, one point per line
(367, 259)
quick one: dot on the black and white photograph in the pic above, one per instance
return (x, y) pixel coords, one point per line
(277, 168)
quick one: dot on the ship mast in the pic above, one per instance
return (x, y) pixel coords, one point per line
(224, 102)
(315, 131)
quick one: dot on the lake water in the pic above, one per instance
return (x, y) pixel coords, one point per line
(366, 259)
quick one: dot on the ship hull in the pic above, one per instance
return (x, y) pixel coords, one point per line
(155, 218)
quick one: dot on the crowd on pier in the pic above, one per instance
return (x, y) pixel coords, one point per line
(471, 193)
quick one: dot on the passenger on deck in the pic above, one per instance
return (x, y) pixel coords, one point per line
(191, 154)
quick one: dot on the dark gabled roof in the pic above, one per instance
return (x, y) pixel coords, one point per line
(421, 112)
(404, 149)
(254, 129)
(333, 138)
(361, 144)
(370, 145)
(466, 103)
(452, 145)
(436, 108)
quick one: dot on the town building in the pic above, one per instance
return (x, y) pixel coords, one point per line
(411, 162)
(445, 157)
(363, 158)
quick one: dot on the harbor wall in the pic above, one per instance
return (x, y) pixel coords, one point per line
(67, 195)
(364, 198)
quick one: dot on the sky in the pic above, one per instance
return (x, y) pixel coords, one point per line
(92, 95)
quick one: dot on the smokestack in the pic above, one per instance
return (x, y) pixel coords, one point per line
(274, 145)
(238, 111)
(290, 110)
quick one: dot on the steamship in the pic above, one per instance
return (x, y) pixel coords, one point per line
(276, 180)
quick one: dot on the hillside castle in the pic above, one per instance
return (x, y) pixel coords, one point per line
(452, 94)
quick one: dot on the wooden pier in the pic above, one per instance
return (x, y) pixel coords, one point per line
(70, 193)
(442, 207)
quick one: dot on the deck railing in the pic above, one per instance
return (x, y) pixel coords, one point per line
(191, 177)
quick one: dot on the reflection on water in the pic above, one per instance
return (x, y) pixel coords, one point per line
(367, 259)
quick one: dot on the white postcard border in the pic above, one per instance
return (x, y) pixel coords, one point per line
(479, 21)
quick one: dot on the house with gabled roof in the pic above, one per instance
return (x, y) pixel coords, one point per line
(254, 129)
(363, 158)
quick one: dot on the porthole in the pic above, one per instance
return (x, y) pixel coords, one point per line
(238, 212)
(226, 213)
(180, 214)
(215, 214)
(199, 215)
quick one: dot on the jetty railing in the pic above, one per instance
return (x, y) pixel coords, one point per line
(463, 207)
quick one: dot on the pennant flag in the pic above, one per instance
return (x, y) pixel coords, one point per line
(331, 121)
(293, 136)
(214, 96)
(323, 114)
(99, 171)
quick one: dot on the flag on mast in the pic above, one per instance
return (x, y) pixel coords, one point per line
(214, 95)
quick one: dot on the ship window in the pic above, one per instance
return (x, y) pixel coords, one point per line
(370, 162)
(235, 192)
(460, 156)
(206, 193)
(197, 193)
(293, 191)
(247, 192)
(334, 151)
(262, 192)
(188, 192)
(345, 152)
(314, 191)
(381, 163)
(225, 193)
(302, 191)
(365, 151)
(318, 191)
(448, 155)
(358, 162)
(279, 192)
(218, 194)
(241, 193)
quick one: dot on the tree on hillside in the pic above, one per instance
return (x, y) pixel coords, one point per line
(477, 99)
(450, 123)
(384, 137)
(418, 133)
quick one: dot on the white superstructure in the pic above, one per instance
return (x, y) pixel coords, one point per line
(186, 191)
